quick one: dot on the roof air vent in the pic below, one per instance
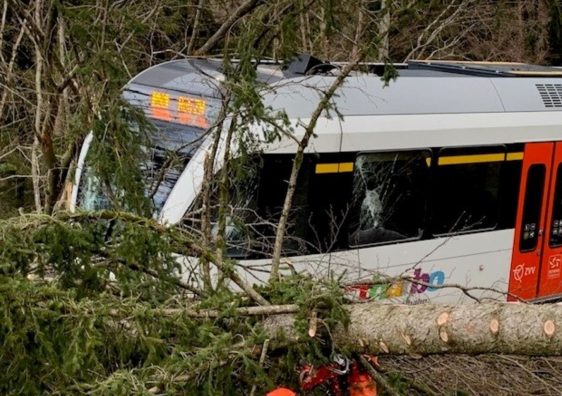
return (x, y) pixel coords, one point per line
(551, 94)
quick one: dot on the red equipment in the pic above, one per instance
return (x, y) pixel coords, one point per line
(342, 377)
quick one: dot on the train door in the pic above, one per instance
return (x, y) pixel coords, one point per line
(536, 266)
(550, 277)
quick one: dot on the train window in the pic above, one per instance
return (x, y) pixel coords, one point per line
(240, 214)
(255, 204)
(532, 207)
(389, 193)
(273, 182)
(556, 218)
(93, 194)
(320, 203)
(509, 191)
(466, 190)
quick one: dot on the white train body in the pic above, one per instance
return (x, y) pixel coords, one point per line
(448, 176)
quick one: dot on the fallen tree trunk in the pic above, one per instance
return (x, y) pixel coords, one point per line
(505, 328)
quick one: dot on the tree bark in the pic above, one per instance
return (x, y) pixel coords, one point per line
(384, 30)
(504, 328)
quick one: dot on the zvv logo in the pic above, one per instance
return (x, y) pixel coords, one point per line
(521, 271)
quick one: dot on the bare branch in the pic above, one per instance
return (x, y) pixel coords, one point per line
(244, 9)
(297, 161)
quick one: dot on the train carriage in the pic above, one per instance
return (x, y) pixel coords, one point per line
(449, 176)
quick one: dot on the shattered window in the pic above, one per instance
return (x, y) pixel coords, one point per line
(92, 193)
(389, 192)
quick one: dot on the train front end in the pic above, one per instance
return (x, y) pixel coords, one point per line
(180, 101)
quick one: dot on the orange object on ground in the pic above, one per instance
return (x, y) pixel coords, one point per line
(361, 384)
(281, 392)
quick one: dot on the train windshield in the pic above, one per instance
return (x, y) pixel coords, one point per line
(172, 145)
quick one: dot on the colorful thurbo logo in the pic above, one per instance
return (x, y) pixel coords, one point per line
(420, 282)
(426, 281)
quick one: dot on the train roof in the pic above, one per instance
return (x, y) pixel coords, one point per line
(422, 87)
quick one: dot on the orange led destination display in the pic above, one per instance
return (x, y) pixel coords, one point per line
(160, 100)
(191, 106)
(188, 111)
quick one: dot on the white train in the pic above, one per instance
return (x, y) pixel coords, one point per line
(450, 175)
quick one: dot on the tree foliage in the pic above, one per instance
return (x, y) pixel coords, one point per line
(80, 315)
